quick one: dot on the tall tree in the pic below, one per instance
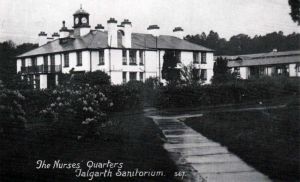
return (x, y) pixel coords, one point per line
(169, 70)
(221, 72)
(8, 53)
(295, 10)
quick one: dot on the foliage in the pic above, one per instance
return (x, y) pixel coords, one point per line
(169, 71)
(95, 78)
(8, 53)
(80, 110)
(295, 10)
(243, 44)
(238, 91)
(222, 73)
(190, 75)
(12, 115)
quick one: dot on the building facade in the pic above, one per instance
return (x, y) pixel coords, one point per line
(119, 52)
(273, 63)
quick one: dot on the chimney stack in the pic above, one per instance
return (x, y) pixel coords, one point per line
(64, 32)
(50, 39)
(99, 27)
(55, 35)
(154, 30)
(42, 38)
(112, 32)
(126, 38)
(178, 32)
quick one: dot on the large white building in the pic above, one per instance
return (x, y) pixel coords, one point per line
(122, 54)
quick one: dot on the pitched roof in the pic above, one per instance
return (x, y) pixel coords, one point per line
(98, 40)
(269, 58)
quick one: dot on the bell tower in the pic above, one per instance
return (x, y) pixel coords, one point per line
(81, 22)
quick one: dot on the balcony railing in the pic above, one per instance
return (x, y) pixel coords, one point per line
(41, 69)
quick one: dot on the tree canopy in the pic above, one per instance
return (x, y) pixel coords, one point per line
(244, 44)
(295, 10)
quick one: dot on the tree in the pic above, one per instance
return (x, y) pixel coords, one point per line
(169, 70)
(8, 53)
(295, 10)
(190, 75)
(221, 71)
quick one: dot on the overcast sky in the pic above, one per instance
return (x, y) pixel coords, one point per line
(22, 20)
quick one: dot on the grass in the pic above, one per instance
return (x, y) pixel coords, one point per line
(134, 141)
(269, 140)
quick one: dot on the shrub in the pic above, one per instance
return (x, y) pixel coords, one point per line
(78, 112)
(12, 115)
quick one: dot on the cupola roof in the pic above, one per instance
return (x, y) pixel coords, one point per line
(81, 11)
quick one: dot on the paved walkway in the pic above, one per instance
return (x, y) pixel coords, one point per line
(201, 158)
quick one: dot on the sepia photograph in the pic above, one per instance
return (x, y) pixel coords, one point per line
(150, 90)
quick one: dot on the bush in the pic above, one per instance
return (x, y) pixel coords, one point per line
(12, 115)
(239, 91)
(78, 112)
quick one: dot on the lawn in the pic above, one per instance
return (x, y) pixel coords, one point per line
(269, 140)
(135, 141)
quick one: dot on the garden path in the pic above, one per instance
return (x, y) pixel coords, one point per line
(201, 158)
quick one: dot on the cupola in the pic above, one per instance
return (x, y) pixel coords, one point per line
(81, 22)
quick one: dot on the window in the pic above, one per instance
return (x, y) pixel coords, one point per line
(132, 76)
(298, 68)
(23, 62)
(203, 75)
(45, 58)
(66, 58)
(101, 57)
(33, 61)
(178, 56)
(141, 55)
(132, 57)
(141, 76)
(124, 57)
(124, 77)
(52, 59)
(79, 58)
(195, 57)
(203, 58)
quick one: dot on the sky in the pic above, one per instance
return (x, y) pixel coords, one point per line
(22, 20)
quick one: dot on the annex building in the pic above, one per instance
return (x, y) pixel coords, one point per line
(117, 50)
(286, 63)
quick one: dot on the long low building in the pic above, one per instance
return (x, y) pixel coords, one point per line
(266, 64)
(118, 51)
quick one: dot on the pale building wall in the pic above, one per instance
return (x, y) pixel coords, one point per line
(244, 72)
(209, 66)
(151, 64)
(116, 77)
(19, 64)
(186, 58)
(292, 70)
(40, 60)
(27, 62)
(43, 81)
